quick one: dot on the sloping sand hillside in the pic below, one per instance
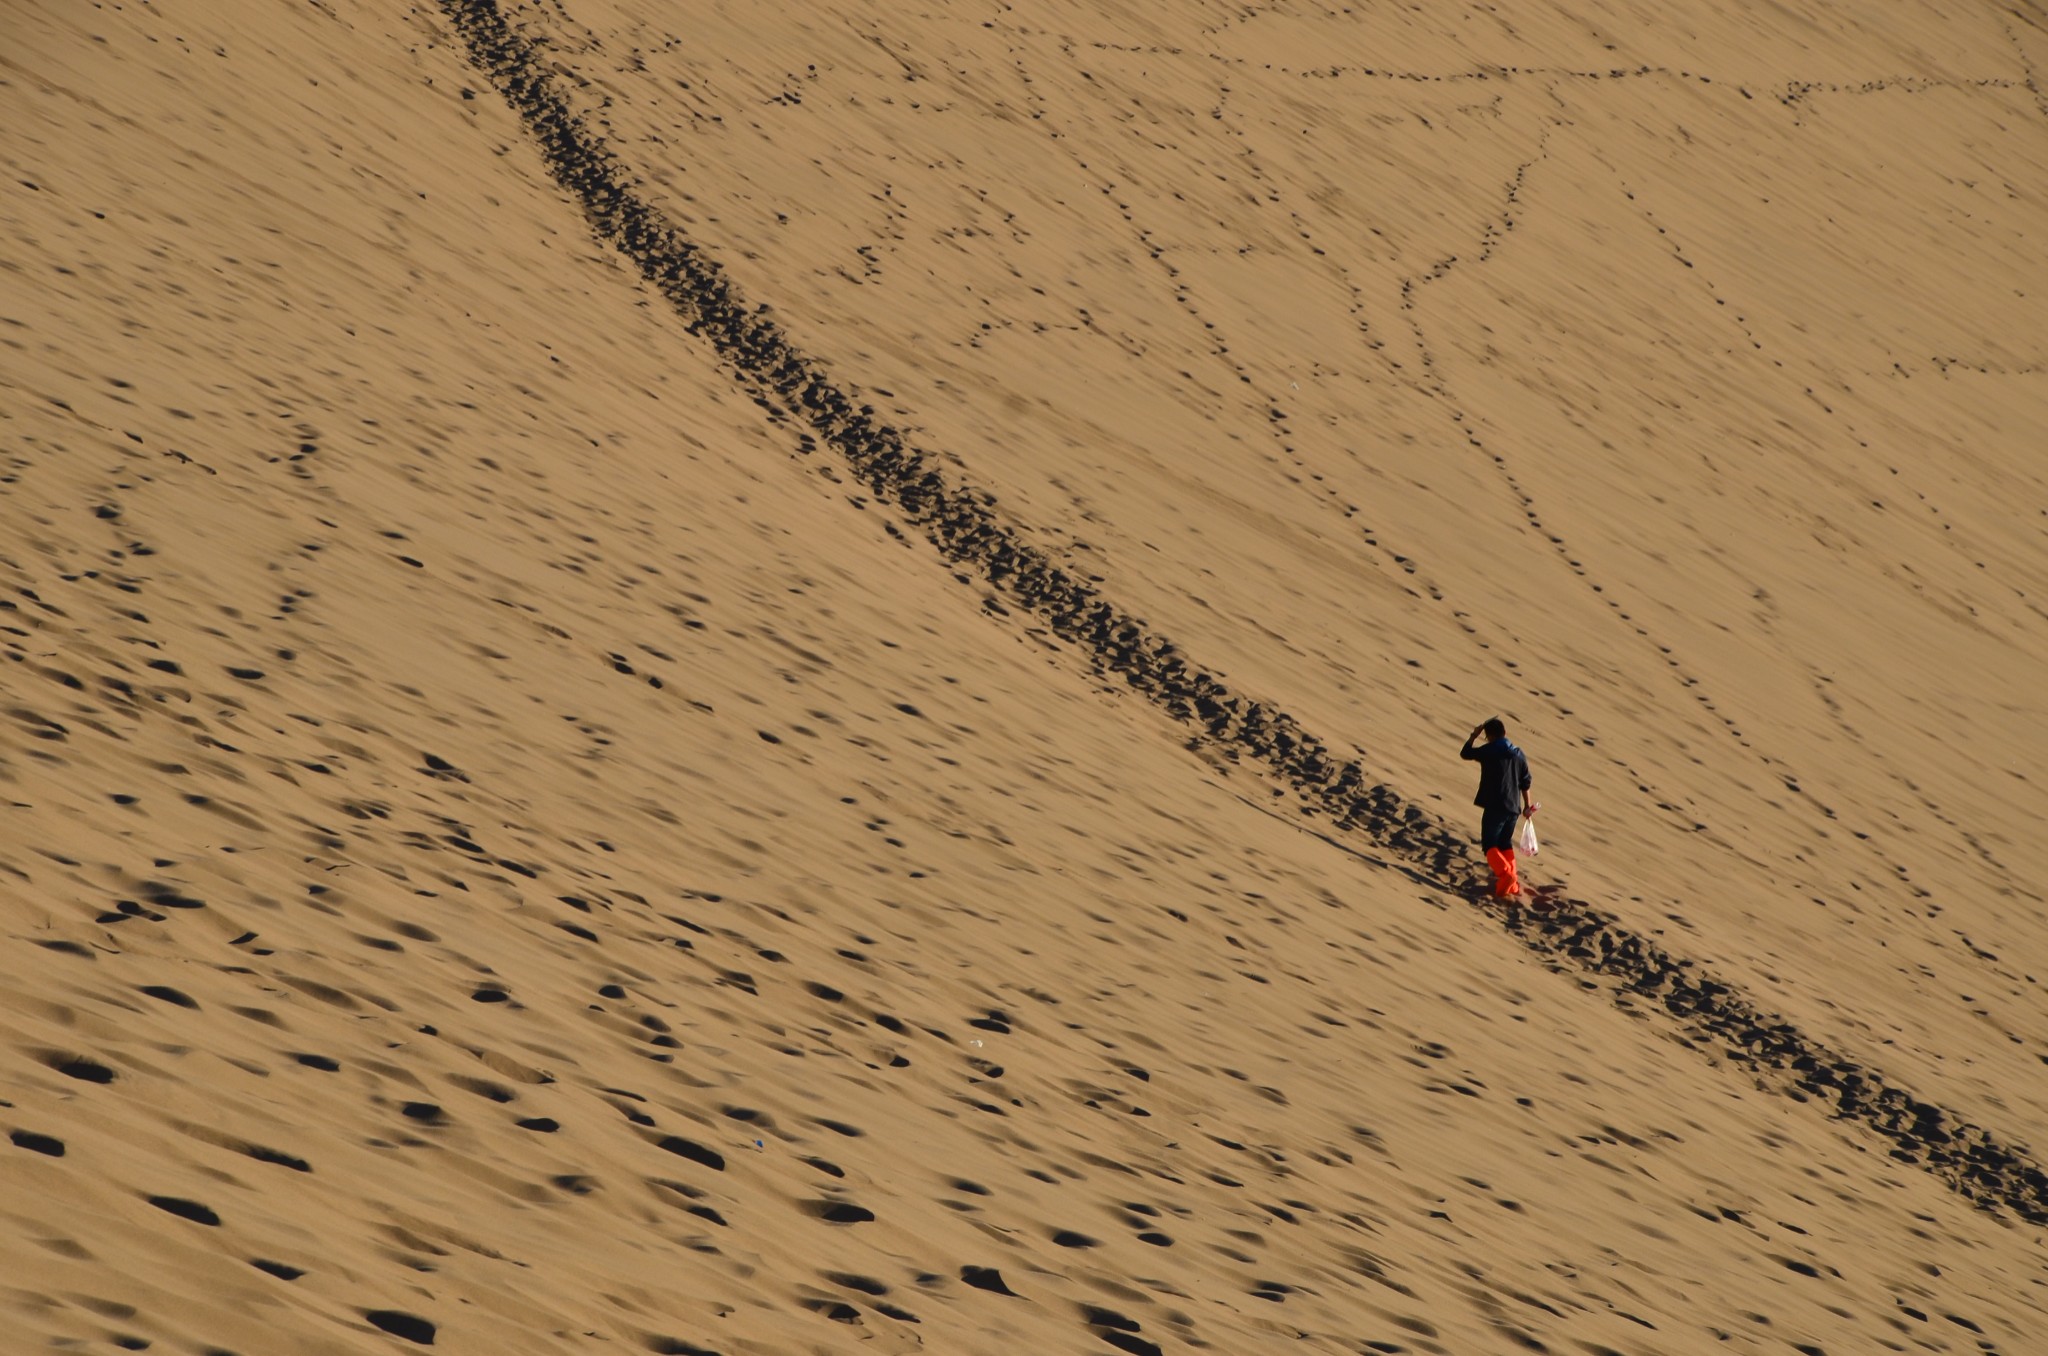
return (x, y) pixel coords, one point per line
(771, 678)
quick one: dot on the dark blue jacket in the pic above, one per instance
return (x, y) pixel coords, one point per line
(1503, 774)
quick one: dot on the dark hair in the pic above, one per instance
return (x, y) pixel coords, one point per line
(1495, 729)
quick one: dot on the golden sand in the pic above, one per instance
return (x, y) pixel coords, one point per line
(526, 832)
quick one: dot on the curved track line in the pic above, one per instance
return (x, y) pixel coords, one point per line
(962, 522)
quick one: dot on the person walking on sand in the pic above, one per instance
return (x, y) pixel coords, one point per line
(1503, 792)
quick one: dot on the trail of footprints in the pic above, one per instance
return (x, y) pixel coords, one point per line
(965, 526)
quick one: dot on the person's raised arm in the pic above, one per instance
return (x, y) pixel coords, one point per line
(1468, 752)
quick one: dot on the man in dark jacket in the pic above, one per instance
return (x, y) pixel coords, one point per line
(1503, 791)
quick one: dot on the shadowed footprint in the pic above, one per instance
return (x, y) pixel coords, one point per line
(838, 1212)
(987, 1278)
(279, 1157)
(839, 1311)
(79, 1067)
(184, 1209)
(42, 1144)
(401, 1324)
(693, 1151)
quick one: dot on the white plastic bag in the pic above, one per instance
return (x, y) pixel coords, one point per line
(1525, 837)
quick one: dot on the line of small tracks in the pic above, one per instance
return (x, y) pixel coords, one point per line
(963, 523)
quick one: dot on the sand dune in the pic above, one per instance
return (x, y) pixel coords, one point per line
(538, 823)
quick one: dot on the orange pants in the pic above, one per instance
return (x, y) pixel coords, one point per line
(1506, 885)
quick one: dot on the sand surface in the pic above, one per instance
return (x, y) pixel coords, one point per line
(526, 832)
